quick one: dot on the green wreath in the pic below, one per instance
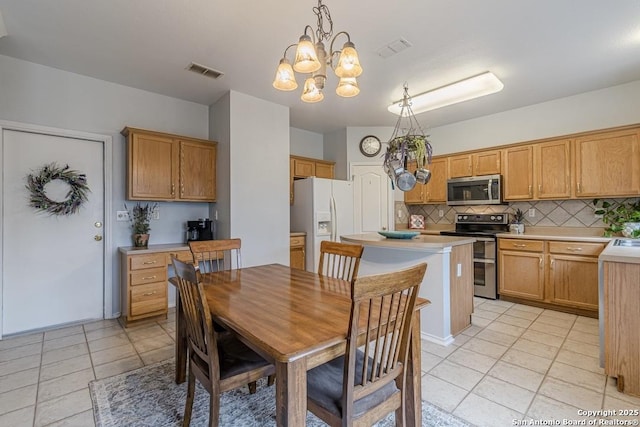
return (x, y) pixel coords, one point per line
(74, 198)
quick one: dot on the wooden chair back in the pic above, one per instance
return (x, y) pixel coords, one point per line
(339, 260)
(216, 255)
(385, 299)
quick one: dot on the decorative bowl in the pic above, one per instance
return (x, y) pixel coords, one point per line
(399, 234)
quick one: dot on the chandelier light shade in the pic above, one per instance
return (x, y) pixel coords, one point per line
(311, 58)
(463, 90)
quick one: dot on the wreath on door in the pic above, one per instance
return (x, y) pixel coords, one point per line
(74, 199)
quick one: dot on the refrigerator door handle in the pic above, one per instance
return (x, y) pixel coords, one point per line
(334, 218)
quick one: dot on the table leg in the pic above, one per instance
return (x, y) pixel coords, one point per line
(413, 391)
(291, 393)
(181, 343)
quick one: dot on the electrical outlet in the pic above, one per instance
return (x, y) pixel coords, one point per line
(440, 213)
(532, 213)
(155, 214)
(122, 216)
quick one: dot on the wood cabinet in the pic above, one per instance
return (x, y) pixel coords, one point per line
(622, 324)
(486, 162)
(461, 287)
(168, 167)
(608, 164)
(143, 284)
(558, 274)
(517, 183)
(297, 252)
(552, 164)
(521, 271)
(435, 191)
(304, 167)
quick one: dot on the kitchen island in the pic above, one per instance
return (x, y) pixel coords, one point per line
(448, 282)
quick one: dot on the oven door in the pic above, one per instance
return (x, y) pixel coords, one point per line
(484, 268)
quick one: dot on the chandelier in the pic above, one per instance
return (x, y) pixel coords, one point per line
(407, 143)
(312, 59)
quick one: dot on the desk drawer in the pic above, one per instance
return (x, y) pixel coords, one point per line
(576, 248)
(521, 245)
(184, 256)
(141, 262)
(296, 241)
(149, 276)
(149, 298)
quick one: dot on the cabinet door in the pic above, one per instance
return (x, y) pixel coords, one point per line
(573, 281)
(460, 166)
(304, 168)
(518, 173)
(608, 164)
(553, 169)
(521, 274)
(486, 162)
(436, 189)
(197, 171)
(324, 170)
(414, 196)
(152, 167)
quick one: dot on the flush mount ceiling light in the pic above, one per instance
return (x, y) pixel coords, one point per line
(464, 90)
(312, 59)
(3, 29)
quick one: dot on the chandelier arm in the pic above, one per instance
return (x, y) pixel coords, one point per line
(287, 49)
(313, 35)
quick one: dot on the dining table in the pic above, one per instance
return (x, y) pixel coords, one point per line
(296, 320)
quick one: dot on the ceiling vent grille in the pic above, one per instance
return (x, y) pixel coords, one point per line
(205, 71)
(394, 47)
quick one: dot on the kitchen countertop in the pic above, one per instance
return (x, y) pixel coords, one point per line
(297, 234)
(419, 243)
(581, 234)
(624, 254)
(430, 229)
(151, 249)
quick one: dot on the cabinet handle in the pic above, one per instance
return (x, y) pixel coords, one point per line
(579, 189)
(150, 262)
(148, 294)
(149, 277)
(173, 189)
(551, 265)
(519, 245)
(539, 188)
(181, 190)
(569, 248)
(530, 190)
(540, 263)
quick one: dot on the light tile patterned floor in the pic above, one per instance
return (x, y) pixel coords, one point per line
(514, 362)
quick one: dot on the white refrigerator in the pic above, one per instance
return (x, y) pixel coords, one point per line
(322, 208)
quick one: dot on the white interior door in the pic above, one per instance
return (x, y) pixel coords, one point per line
(52, 266)
(371, 198)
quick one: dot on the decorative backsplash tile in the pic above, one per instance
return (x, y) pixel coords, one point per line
(548, 213)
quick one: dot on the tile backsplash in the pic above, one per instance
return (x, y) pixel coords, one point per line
(548, 213)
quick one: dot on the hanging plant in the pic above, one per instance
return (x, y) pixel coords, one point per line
(74, 199)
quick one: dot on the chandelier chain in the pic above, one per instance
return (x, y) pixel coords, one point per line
(322, 12)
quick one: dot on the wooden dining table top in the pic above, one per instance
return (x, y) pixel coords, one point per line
(284, 312)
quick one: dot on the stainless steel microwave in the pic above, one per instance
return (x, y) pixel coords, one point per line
(475, 190)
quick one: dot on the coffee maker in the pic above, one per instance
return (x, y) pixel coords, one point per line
(202, 229)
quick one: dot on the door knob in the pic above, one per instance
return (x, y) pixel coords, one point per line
(98, 224)
(97, 237)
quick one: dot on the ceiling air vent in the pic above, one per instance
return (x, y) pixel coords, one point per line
(394, 47)
(205, 71)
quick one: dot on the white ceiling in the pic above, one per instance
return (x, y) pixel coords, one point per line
(540, 49)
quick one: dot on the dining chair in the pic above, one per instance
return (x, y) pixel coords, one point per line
(216, 255)
(340, 260)
(219, 362)
(368, 381)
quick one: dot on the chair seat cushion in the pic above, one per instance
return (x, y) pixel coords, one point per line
(235, 358)
(324, 387)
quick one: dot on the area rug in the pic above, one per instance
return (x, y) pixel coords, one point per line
(149, 397)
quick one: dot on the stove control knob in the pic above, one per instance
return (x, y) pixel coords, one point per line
(493, 218)
(464, 217)
(499, 218)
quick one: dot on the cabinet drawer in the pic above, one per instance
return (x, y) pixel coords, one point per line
(148, 298)
(184, 256)
(521, 245)
(576, 248)
(149, 276)
(140, 262)
(296, 241)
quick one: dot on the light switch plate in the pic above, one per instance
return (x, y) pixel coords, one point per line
(122, 216)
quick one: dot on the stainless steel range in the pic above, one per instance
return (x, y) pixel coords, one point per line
(484, 228)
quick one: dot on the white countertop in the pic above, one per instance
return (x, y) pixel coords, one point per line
(624, 254)
(578, 234)
(421, 242)
(165, 247)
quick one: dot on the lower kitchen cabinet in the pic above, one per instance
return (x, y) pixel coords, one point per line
(461, 287)
(143, 283)
(562, 275)
(296, 252)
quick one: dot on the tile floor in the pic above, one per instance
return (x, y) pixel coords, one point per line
(514, 363)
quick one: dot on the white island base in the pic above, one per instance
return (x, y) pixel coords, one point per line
(448, 282)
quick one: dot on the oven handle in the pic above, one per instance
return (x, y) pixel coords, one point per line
(484, 260)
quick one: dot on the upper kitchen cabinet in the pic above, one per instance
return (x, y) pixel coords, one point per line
(473, 164)
(552, 164)
(518, 172)
(167, 167)
(608, 164)
(304, 167)
(435, 191)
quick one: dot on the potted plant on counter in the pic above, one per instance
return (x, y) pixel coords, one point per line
(140, 219)
(621, 217)
(517, 224)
